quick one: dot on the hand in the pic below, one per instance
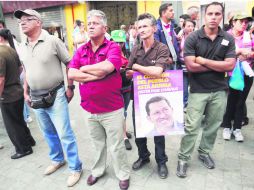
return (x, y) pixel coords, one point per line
(245, 52)
(27, 99)
(242, 57)
(129, 74)
(135, 67)
(179, 37)
(122, 69)
(170, 61)
(83, 68)
(69, 94)
(200, 60)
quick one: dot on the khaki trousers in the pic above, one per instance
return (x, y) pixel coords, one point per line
(213, 105)
(107, 129)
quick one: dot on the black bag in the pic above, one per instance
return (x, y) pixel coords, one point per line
(43, 101)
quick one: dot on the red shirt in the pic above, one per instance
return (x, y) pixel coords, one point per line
(103, 95)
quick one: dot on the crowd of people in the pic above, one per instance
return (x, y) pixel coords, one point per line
(103, 64)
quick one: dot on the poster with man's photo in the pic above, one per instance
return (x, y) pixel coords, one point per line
(159, 104)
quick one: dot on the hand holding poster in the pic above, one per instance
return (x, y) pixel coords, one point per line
(158, 104)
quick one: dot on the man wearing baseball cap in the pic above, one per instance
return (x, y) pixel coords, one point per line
(30, 12)
(42, 56)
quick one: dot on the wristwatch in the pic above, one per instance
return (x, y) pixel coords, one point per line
(72, 87)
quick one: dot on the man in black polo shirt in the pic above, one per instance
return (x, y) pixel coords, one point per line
(208, 54)
(149, 58)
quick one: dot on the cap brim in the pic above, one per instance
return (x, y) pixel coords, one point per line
(18, 14)
(118, 40)
(241, 18)
(250, 18)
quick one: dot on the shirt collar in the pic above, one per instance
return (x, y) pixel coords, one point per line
(202, 33)
(88, 45)
(164, 24)
(41, 38)
(153, 45)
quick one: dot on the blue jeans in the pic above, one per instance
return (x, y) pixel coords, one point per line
(55, 124)
(26, 111)
(126, 98)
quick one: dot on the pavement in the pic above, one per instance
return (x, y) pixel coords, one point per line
(234, 162)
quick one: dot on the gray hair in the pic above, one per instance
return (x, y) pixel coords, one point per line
(192, 10)
(98, 13)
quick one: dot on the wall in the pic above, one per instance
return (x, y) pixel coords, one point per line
(72, 13)
(151, 7)
(249, 6)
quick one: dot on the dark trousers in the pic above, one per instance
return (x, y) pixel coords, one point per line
(185, 88)
(159, 141)
(16, 127)
(235, 105)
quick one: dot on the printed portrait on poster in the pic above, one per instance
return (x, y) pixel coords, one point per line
(158, 104)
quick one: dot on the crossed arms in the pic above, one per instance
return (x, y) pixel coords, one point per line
(93, 72)
(201, 64)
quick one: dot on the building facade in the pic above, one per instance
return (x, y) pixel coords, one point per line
(60, 15)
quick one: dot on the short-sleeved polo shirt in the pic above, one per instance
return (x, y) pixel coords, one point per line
(198, 44)
(42, 61)
(100, 96)
(158, 55)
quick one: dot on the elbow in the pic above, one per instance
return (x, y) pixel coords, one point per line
(102, 73)
(231, 67)
(189, 68)
(156, 74)
(105, 71)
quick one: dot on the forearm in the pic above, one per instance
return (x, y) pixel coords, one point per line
(219, 66)
(79, 76)
(69, 81)
(2, 81)
(150, 70)
(99, 69)
(25, 86)
(197, 68)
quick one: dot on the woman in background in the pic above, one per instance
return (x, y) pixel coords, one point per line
(188, 27)
(244, 42)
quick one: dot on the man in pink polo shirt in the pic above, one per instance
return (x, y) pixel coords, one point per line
(96, 66)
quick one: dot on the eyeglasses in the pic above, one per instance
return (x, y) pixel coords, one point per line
(26, 20)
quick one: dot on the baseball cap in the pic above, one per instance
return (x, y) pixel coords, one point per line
(118, 36)
(19, 13)
(240, 16)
